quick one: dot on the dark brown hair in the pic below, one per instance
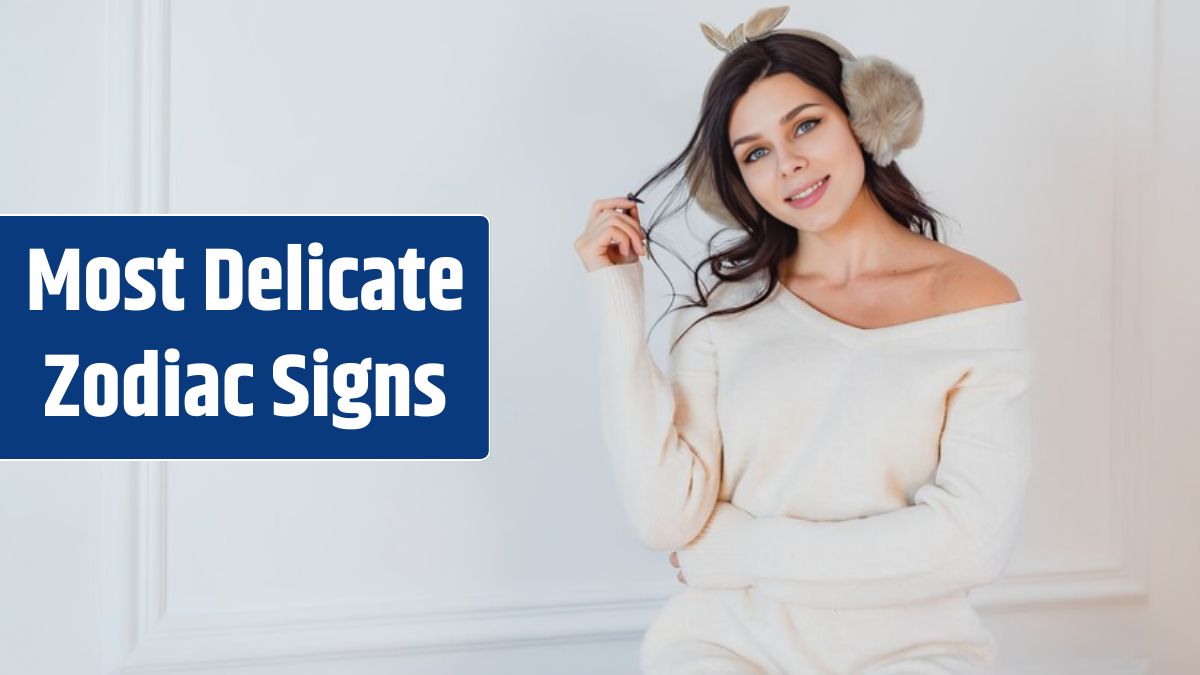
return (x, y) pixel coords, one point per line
(767, 241)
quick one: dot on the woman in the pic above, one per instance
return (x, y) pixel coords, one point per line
(842, 447)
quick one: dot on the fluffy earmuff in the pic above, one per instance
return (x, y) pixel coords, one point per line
(886, 108)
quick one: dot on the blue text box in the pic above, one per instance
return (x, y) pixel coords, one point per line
(416, 341)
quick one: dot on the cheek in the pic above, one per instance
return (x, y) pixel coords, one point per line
(763, 188)
(843, 160)
(853, 171)
(758, 182)
(851, 156)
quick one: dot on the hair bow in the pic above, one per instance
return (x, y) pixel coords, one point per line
(757, 25)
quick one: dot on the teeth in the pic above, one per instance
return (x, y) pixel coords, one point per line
(807, 192)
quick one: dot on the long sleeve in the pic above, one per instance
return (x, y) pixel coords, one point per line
(661, 431)
(958, 533)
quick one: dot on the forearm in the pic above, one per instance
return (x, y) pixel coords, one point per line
(661, 431)
(864, 562)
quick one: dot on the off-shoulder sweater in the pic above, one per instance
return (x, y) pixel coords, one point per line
(829, 465)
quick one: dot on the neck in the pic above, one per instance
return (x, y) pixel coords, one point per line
(865, 242)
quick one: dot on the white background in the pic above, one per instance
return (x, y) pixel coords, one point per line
(1059, 136)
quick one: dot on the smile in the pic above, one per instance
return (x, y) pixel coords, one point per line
(809, 196)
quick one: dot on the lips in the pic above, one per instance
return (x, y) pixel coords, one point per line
(802, 188)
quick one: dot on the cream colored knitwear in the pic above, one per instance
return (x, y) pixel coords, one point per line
(801, 459)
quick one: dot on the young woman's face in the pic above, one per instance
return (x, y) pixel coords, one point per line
(814, 142)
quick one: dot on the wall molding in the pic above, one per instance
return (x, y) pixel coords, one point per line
(137, 105)
(140, 633)
(1134, 66)
(145, 636)
(1074, 667)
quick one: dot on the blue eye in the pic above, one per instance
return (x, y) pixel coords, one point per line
(751, 158)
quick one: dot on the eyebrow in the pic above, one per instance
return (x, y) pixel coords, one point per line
(782, 121)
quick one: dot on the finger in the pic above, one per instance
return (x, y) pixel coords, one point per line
(620, 231)
(636, 233)
(615, 234)
(674, 559)
(601, 204)
(632, 218)
(623, 217)
(624, 232)
(631, 212)
(632, 229)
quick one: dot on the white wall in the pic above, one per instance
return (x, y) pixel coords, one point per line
(1172, 311)
(1039, 142)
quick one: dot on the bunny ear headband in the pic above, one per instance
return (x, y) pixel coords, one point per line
(886, 109)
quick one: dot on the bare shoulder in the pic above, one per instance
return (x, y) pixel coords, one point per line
(965, 282)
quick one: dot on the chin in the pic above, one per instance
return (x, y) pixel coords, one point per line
(820, 226)
(814, 223)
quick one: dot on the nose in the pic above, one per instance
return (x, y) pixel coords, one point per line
(789, 162)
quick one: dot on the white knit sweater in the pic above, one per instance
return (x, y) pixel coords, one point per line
(826, 465)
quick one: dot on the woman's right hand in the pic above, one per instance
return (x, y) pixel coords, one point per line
(611, 237)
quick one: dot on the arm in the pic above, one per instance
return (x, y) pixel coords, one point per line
(661, 431)
(959, 532)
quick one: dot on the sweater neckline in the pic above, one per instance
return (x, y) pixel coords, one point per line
(849, 331)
